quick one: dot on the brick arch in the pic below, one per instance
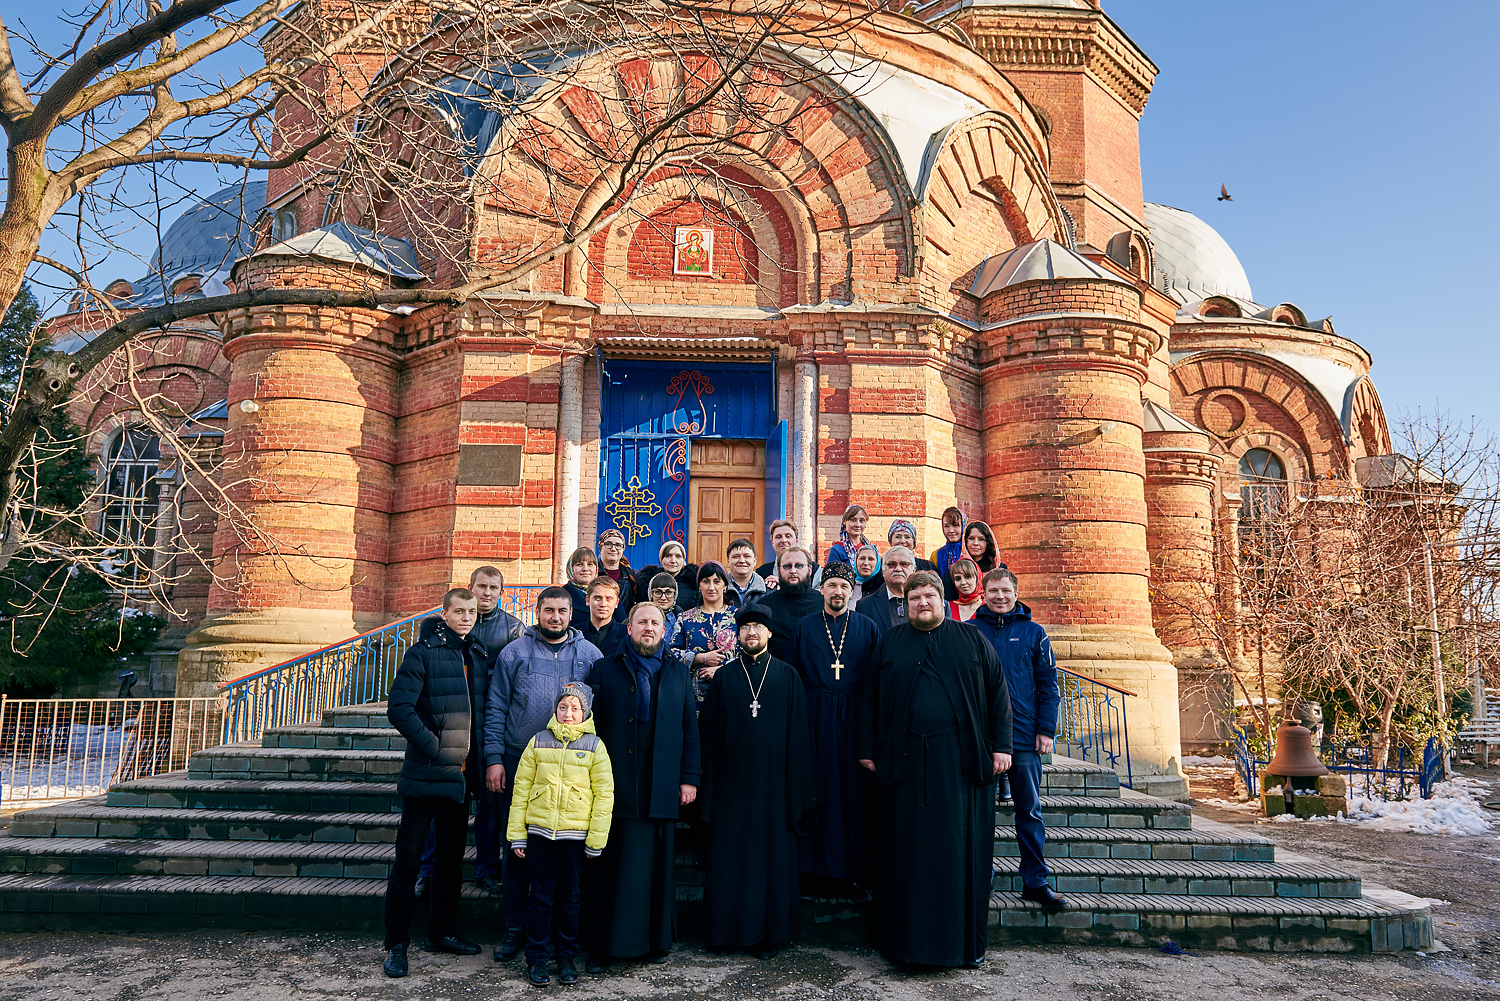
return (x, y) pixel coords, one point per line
(831, 170)
(761, 260)
(1280, 402)
(985, 194)
(183, 368)
(1293, 456)
(1367, 419)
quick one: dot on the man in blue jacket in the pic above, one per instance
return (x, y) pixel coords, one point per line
(1031, 675)
(524, 686)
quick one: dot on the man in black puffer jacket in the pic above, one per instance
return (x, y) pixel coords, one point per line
(432, 706)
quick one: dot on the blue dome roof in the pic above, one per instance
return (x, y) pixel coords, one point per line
(210, 235)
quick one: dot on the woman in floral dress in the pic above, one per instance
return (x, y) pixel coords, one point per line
(708, 630)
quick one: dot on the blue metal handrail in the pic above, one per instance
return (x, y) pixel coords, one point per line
(1091, 722)
(1355, 760)
(351, 672)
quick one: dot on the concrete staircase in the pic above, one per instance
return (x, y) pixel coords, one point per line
(300, 832)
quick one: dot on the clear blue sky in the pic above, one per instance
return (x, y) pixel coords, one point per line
(1360, 142)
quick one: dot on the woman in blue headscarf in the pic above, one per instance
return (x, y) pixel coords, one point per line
(867, 569)
(904, 533)
(851, 534)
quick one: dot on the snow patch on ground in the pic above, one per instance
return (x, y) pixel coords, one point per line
(1453, 809)
(1196, 761)
(1248, 806)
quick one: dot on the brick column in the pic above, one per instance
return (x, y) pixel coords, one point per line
(1181, 473)
(1063, 362)
(569, 461)
(804, 477)
(300, 557)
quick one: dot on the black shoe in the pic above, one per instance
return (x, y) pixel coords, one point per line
(567, 973)
(766, 951)
(489, 884)
(1045, 896)
(451, 944)
(656, 958)
(395, 961)
(974, 964)
(537, 974)
(421, 887)
(511, 945)
(596, 964)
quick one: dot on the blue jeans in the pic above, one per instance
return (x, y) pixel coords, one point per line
(1031, 832)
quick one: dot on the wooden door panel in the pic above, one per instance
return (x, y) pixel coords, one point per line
(722, 509)
(742, 504)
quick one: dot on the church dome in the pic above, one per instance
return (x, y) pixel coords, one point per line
(210, 235)
(1192, 254)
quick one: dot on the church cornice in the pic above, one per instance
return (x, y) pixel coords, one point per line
(1084, 40)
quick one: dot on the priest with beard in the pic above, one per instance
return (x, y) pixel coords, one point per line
(935, 728)
(646, 715)
(759, 794)
(794, 598)
(830, 650)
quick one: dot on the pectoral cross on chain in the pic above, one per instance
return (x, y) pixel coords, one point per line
(838, 668)
(754, 708)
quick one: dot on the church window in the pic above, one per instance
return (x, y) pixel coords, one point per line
(1262, 487)
(131, 501)
(284, 226)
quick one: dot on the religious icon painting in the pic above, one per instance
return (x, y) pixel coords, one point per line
(693, 252)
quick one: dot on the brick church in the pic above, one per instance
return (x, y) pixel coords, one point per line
(942, 286)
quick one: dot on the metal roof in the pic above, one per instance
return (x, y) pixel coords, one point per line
(1193, 256)
(340, 241)
(204, 241)
(1043, 260)
(1157, 418)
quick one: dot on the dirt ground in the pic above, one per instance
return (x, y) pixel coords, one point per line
(276, 966)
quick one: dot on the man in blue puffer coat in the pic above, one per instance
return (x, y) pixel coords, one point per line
(432, 706)
(1031, 676)
(528, 677)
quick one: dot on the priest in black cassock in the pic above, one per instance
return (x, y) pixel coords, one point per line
(935, 728)
(759, 794)
(646, 715)
(793, 599)
(830, 649)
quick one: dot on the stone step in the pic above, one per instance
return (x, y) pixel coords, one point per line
(368, 715)
(94, 818)
(1382, 920)
(169, 857)
(252, 761)
(1173, 877)
(1192, 844)
(354, 738)
(1071, 777)
(178, 790)
(1130, 810)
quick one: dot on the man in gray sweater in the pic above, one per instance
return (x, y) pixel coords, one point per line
(525, 684)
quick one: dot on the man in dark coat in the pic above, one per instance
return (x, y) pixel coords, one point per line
(793, 598)
(935, 729)
(759, 794)
(431, 704)
(646, 715)
(1031, 680)
(830, 649)
(600, 626)
(494, 630)
(887, 607)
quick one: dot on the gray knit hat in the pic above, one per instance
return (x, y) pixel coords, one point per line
(583, 693)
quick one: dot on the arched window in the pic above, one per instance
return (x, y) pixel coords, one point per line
(284, 226)
(1262, 487)
(131, 501)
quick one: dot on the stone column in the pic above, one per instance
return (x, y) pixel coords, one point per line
(1181, 473)
(569, 461)
(1062, 368)
(804, 441)
(300, 553)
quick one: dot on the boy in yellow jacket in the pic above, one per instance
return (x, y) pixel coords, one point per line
(559, 813)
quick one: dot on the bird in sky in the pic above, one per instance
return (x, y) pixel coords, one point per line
(1224, 195)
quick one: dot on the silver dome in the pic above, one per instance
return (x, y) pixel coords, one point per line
(1196, 259)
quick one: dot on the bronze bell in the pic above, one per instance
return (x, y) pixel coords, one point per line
(1294, 753)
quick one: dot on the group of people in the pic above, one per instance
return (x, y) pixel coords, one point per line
(819, 736)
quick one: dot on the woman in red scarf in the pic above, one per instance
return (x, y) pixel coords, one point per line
(964, 573)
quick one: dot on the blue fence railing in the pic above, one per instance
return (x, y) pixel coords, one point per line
(1091, 723)
(1357, 762)
(351, 672)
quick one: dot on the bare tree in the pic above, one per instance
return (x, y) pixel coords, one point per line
(409, 118)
